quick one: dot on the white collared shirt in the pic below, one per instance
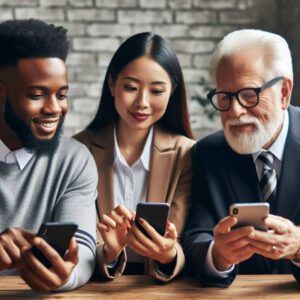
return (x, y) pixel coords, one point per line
(20, 156)
(131, 182)
(277, 149)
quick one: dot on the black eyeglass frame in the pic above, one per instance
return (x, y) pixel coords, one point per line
(235, 94)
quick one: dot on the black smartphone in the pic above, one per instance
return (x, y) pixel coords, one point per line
(252, 214)
(155, 213)
(58, 236)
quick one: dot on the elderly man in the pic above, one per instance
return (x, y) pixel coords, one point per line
(43, 177)
(254, 158)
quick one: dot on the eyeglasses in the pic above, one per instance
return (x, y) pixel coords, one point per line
(247, 97)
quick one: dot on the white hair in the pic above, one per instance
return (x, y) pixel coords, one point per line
(273, 48)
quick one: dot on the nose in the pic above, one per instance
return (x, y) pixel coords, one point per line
(142, 100)
(236, 108)
(51, 106)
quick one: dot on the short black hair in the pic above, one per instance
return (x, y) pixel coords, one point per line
(31, 38)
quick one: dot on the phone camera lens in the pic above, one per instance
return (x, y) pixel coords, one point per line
(235, 211)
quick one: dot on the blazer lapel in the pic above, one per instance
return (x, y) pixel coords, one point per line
(162, 160)
(103, 152)
(243, 177)
(288, 189)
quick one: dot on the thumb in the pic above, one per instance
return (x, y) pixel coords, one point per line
(171, 231)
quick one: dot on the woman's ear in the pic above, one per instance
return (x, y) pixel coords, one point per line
(111, 85)
(286, 93)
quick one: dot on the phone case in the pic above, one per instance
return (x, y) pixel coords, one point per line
(58, 236)
(155, 213)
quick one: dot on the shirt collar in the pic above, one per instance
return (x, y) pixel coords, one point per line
(277, 147)
(20, 156)
(145, 156)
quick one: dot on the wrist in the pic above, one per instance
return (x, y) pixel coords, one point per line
(110, 254)
(169, 258)
(219, 263)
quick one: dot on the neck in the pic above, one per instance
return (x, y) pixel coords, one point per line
(131, 141)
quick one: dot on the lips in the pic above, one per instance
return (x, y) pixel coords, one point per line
(140, 117)
(45, 126)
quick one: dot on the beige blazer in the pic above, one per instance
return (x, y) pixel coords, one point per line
(169, 181)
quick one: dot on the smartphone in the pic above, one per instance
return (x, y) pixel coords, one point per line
(58, 236)
(252, 214)
(155, 213)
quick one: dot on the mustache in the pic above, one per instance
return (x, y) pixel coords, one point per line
(243, 120)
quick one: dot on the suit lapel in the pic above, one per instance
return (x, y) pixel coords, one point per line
(243, 177)
(103, 152)
(162, 158)
(288, 189)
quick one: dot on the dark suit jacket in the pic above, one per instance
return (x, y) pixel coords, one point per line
(223, 177)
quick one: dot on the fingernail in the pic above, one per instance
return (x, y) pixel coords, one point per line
(141, 220)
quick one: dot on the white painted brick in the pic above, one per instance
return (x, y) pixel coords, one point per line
(77, 120)
(117, 3)
(74, 29)
(193, 46)
(185, 60)
(201, 61)
(113, 30)
(141, 28)
(18, 3)
(85, 105)
(171, 31)
(83, 89)
(196, 17)
(237, 17)
(77, 59)
(144, 17)
(176, 4)
(81, 3)
(104, 59)
(47, 14)
(199, 31)
(91, 15)
(153, 4)
(6, 14)
(95, 44)
(195, 76)
(215, 4)
(52, 3)
(85, 74)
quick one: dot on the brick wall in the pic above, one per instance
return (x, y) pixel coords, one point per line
(97, 27)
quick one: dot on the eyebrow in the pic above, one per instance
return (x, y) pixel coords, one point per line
(136, 80)
(41, 87)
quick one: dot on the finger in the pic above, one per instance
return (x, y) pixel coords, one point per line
(171, 231)
(123, 211)
(5, 261)
(32, 279)
(156, 237)
(54, 258)
(37, 268)
(144, 240)
(135, 245)
(266, 237)
(261, 245)
(117, 218)
(243, 253)
(225, 225)
(278, 225)
(13, 252)
(28, 236)
(235, 235)
(108, 221)
(102, 227)
(269, 254)
(73, 252)
(237, 244)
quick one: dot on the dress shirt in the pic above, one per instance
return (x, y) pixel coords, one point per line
(277, 149)
(131, 182)
(20, 156)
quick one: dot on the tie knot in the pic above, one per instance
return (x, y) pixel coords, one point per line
(267, 158)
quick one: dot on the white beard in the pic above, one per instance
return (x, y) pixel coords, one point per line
(248, 143)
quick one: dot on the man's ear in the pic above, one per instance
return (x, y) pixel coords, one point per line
(111, 85)
(286, 93)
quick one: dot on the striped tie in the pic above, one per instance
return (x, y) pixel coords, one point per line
(268, 179)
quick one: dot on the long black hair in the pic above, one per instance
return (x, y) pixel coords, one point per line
(176, 117)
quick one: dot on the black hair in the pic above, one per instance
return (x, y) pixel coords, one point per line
(176, 117)
(31, 38)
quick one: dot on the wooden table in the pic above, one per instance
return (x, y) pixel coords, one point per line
(143, 288)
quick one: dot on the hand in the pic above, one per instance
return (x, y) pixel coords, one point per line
(114, 230)
(42, 279)
(282, 241)
(11, 242)
(159, 248)
(230, 246)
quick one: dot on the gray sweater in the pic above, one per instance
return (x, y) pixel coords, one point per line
(62, 187)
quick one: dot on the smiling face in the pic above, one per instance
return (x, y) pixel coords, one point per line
(34, 93)
(249, 129)
(141, 91)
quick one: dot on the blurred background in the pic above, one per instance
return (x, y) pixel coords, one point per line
(97, 27)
